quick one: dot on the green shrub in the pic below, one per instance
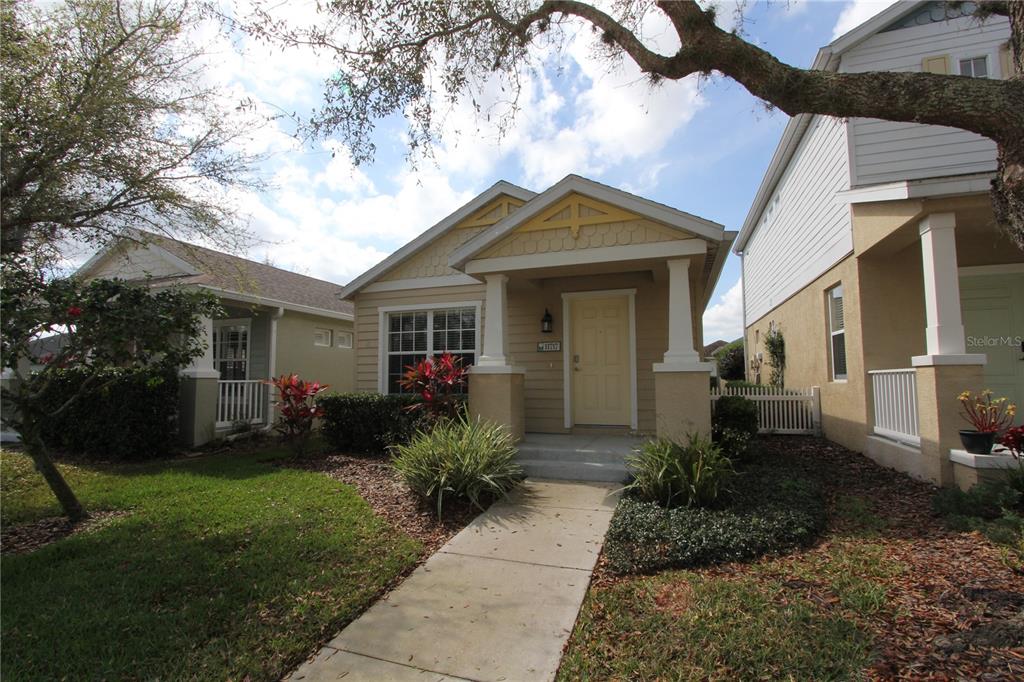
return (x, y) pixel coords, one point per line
(459, 459)
(368, 423)
(769, 510)
(132, 418)
(729, 359)
(734, 426)
(984, 501)
(674, 475)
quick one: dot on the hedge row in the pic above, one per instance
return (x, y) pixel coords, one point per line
(133, 417)
(770, 510)
(368, 423)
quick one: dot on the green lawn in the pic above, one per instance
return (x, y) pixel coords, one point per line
(227, 567)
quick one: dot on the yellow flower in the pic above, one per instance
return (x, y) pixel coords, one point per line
(965, 396)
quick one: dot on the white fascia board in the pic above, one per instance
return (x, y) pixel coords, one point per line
(859, 34)
(460, 214)
(575, 184)
(919, 189)
(456, 280)
(274, 303)
(607, 254)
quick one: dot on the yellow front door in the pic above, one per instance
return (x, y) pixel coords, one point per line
(600, 354)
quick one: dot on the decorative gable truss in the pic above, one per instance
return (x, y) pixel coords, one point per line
(490, 214)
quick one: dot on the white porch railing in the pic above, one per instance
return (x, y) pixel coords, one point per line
(241, 401)
(780, 410)
(895, 397)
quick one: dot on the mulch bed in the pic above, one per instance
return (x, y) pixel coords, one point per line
(956, 611)
(391, 499)
(28, 537)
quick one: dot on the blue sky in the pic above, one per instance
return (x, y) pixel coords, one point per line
(701, 147)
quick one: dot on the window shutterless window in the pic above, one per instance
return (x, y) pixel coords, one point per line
(837, 332)
(231, 349)
(322, 337)
(344, 339)
(975, 67)
(416, 334)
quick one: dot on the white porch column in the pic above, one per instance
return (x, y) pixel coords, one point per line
(495, 323)
(944, 334)
(202, 367)
(681, 352)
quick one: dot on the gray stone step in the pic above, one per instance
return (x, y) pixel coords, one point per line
(609, 472)
(603, 455)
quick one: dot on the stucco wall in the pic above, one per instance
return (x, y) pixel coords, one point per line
(803, 320)
(297, 354)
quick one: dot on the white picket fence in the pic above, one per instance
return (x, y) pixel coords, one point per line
(785, 410)
(241, 401)
(895, 398)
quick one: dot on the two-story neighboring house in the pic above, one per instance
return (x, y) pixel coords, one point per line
(871, 245)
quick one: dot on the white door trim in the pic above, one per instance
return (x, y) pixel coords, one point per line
(567, 297)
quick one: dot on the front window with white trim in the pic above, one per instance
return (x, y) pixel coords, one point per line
(323, 338)
(837, 332)
(413, 335)
(231, 349)
(974, 67)
(344, 339)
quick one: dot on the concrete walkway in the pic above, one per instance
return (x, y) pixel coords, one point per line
(497, 602)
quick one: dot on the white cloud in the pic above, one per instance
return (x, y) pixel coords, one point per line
(856, 13)
(724, 319)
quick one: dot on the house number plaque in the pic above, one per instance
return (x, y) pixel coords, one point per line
(549, 346)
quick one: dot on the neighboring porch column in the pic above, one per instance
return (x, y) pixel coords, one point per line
(496, 388)
(947, 369)
(197, 400)
(275, 315)
(682, 383)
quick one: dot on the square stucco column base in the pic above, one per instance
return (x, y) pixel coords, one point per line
(197, 409)
(682, 403)
(939, 415)
(497, 396)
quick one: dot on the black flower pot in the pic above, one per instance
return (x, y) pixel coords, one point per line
(977, 442)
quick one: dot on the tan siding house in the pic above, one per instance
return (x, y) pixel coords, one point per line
(625, 281)
(880, 261)
(273, 322)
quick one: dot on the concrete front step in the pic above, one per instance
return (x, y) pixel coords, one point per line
(607, 472)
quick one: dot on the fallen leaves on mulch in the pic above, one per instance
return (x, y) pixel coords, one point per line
(955, 610)
(28, 537)
(391, 499)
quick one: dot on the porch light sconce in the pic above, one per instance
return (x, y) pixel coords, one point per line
(545, 322)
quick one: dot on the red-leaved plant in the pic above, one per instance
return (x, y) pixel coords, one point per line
(1013, 440)
(296, 401)
(438, 381)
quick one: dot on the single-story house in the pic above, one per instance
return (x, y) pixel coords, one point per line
(578, 307)
(275, 322)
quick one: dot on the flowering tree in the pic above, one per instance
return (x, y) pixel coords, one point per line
(439, 382)
(105, 324)
(296, 399)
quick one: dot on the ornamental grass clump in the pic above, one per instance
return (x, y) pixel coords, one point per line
(459, 459)
(675, 475)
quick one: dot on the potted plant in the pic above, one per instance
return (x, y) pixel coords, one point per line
(988, 416)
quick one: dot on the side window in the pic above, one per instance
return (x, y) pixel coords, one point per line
(322, 337)
(974, 67)
(344, 339)
(837, 332)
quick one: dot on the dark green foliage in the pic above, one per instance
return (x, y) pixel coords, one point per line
(460, 458)
(734, 426)
(740, 383)
(131, 416)
(775, 344)
(674, 475)
(369, 423)
(984, 501)
(769, 510)
(730, 361)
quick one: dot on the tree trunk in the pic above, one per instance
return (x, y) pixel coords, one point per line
(65, 496)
